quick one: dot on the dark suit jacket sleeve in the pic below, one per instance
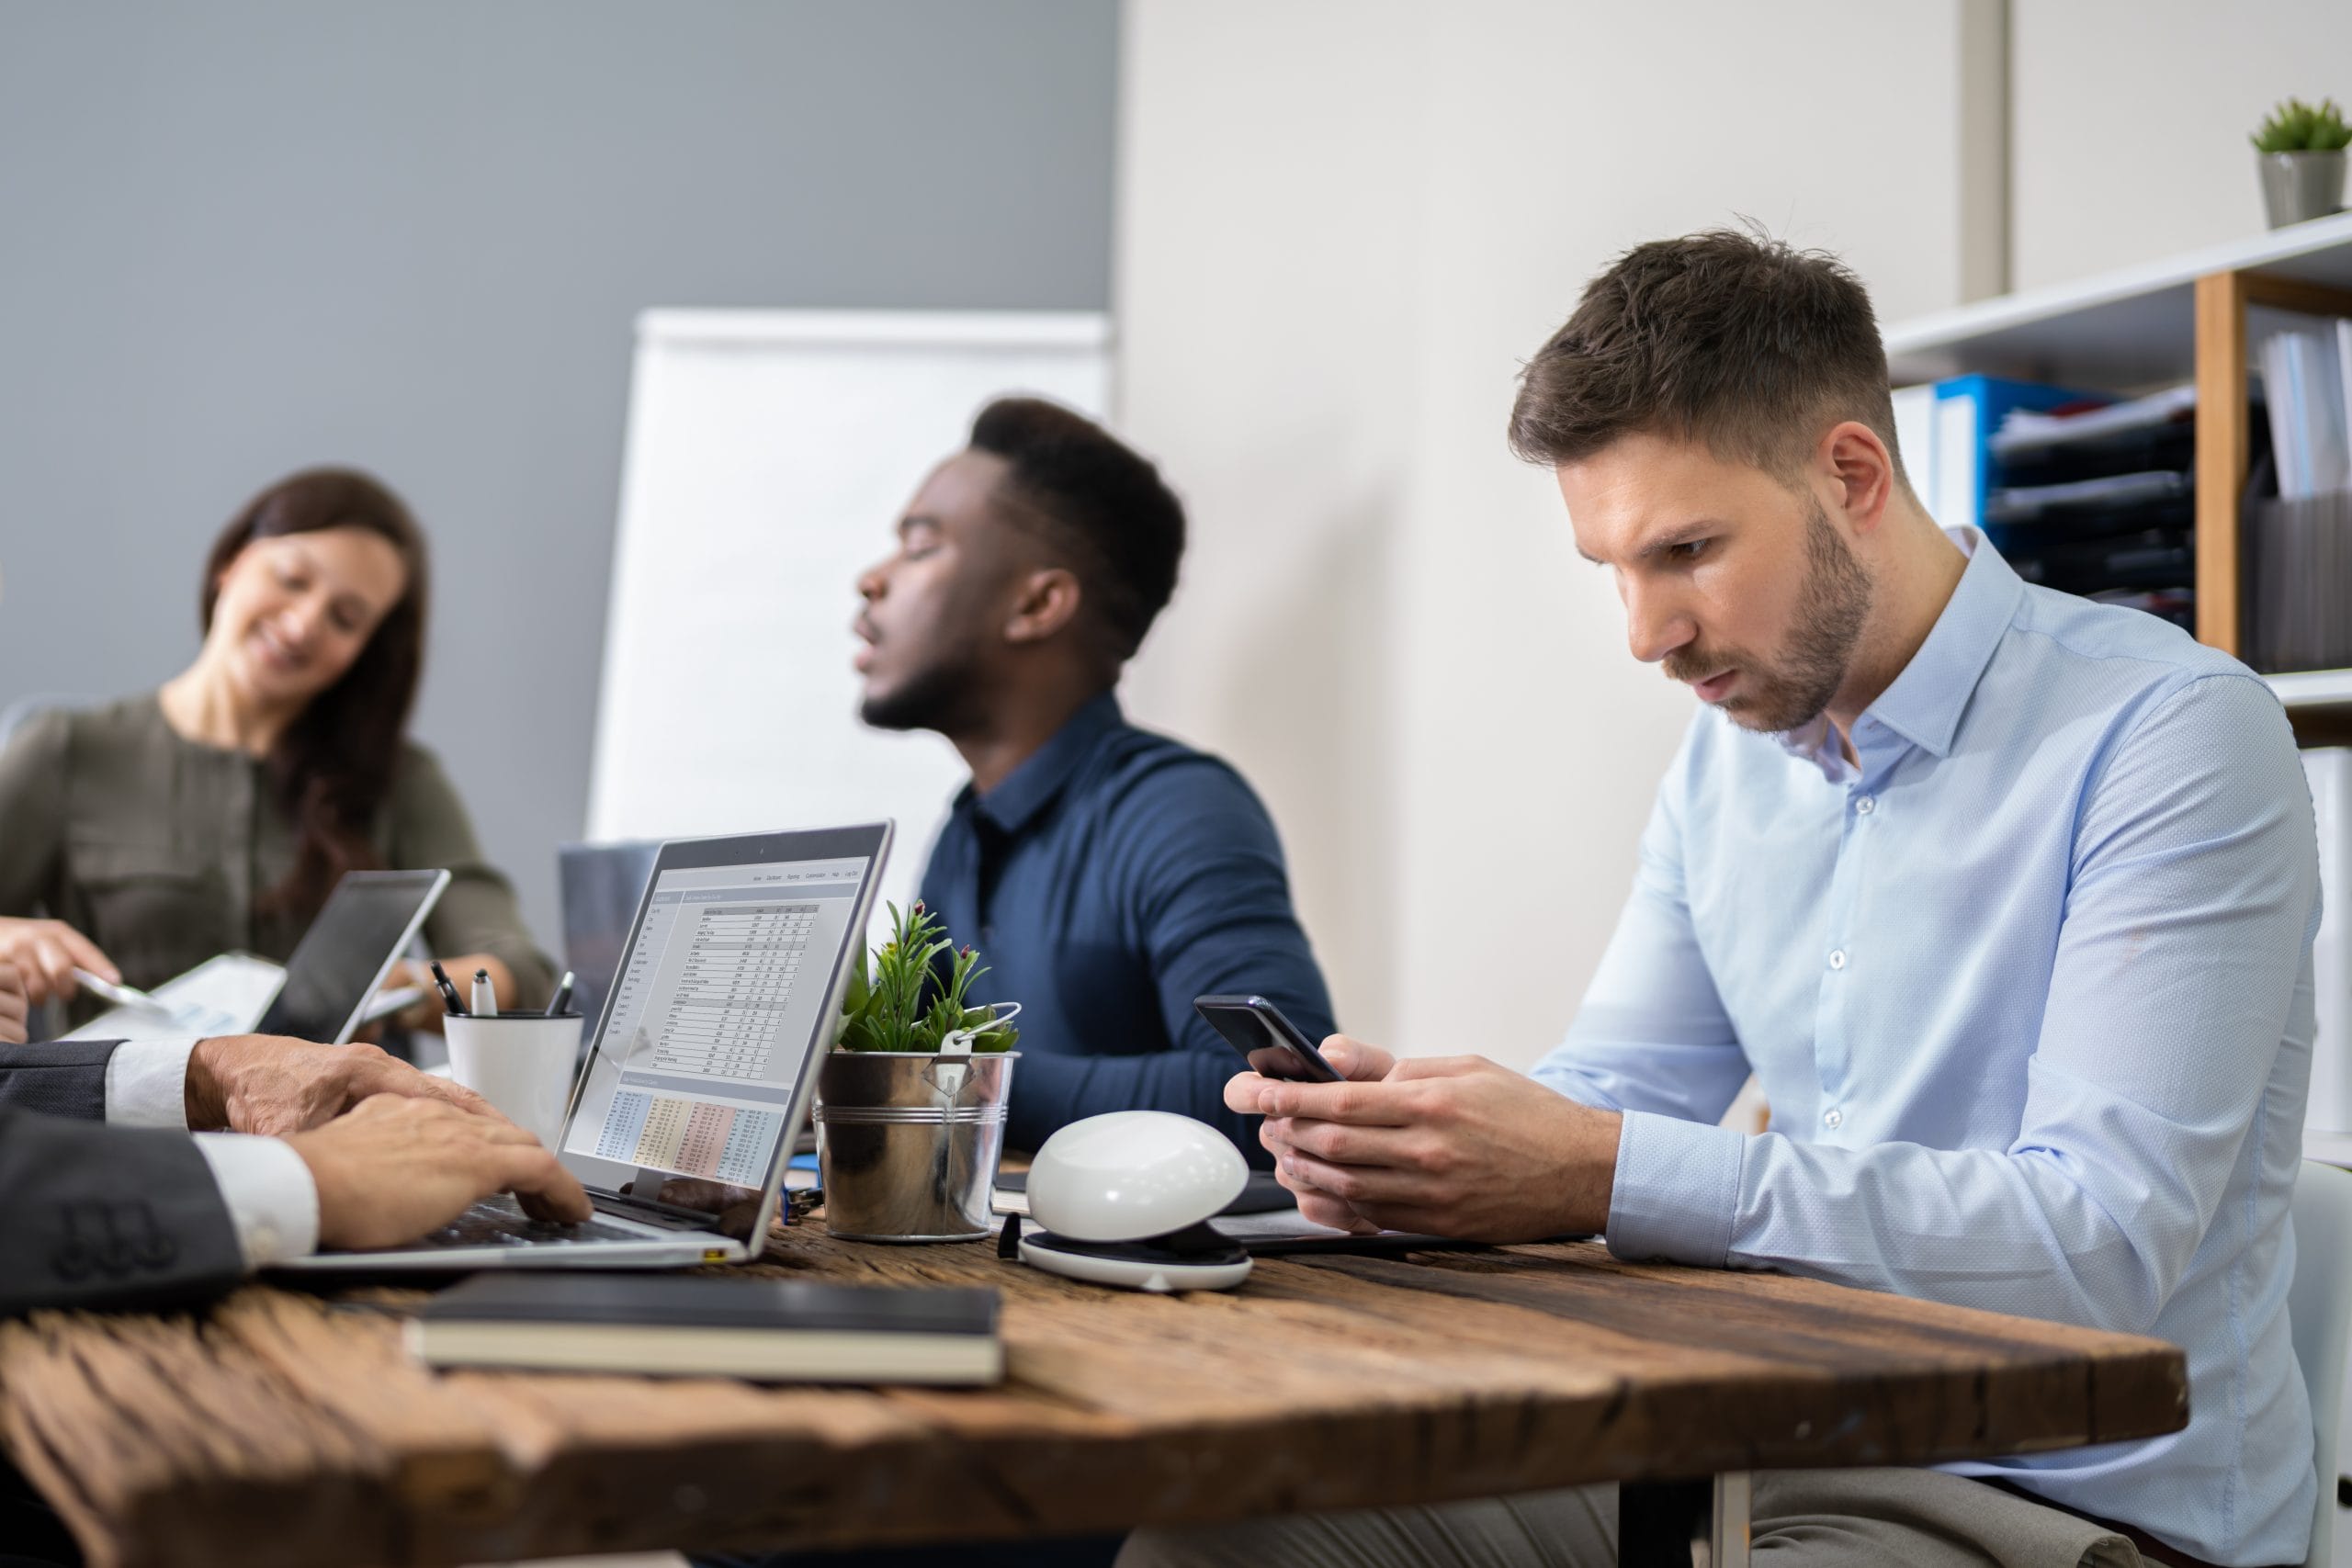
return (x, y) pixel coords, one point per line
(97, 1216)
(59, 1078)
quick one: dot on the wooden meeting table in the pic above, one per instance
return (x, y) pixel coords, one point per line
(284, 1428)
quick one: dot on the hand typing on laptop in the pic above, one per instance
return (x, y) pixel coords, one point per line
(282, 1146)
(272, 1085)
(395, 1168)
(655, 1101)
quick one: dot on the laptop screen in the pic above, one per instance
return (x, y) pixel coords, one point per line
(727, 991)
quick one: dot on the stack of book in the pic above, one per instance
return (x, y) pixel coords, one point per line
(2079, 492)
(2102, 501)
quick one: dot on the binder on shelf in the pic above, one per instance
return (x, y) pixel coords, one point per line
(2080, 492)
(1968, 412)
(2296, 516)
(1915, 437)
(2307, 387)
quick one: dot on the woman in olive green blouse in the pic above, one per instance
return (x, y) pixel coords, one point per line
(218, 813)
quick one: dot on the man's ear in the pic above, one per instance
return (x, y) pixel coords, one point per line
(1045, 602)
(1860, 472)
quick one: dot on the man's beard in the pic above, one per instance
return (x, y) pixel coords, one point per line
(1832, 607)
(943, 697)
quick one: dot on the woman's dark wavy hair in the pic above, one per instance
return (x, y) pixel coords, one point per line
(334, 766)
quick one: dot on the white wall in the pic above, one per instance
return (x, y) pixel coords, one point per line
(1341, 226)
(2132, 118)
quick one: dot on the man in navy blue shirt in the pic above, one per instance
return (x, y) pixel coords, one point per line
(1108, 876)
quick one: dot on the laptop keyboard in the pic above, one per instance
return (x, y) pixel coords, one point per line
(493, 1223)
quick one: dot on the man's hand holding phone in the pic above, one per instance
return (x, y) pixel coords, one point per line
(1355, 1061)
(1456, 1147)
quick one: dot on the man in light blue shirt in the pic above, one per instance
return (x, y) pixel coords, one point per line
(2007, 898)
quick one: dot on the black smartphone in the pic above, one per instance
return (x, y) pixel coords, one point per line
(1276, 1047)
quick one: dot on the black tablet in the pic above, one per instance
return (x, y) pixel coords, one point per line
(367, 923)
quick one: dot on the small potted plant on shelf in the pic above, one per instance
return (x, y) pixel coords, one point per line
(2301, 151)
(911, 1102)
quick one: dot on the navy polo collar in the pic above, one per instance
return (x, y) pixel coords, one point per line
(1031, 788)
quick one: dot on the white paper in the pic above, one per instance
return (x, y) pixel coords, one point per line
(2026, 429)
(226, 995)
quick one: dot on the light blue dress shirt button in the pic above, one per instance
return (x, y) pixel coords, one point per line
(1837, 958)
(1832, 1118)
(1864, 806)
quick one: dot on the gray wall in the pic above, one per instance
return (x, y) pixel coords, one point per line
(246, 236)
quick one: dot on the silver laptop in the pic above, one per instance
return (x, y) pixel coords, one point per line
(704, 1058)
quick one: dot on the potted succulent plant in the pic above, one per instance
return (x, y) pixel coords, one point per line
(911, 1102)
(2300, 153)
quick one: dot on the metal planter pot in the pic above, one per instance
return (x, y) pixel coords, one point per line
(2297, 187)
(908, 1142)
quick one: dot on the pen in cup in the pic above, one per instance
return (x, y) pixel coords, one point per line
(563, 998)
(448, 992)
(485, 995)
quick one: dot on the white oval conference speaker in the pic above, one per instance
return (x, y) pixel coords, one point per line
(1125, 1198)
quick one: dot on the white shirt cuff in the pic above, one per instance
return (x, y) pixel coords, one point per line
(147, 1083)
(272, 1200)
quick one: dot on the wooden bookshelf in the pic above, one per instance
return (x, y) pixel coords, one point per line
(2179, 320)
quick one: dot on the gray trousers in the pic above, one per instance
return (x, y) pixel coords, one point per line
(1803, 1518)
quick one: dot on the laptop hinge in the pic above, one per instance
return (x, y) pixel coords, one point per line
(651, 1212)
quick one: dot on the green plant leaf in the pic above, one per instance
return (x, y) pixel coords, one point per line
(2295, 126)
(909, 1001)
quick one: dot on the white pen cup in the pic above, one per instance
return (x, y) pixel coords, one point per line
(520, 1062)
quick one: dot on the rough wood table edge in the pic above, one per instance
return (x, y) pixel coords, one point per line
(905, 1466)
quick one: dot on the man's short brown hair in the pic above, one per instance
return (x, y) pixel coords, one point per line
(1724, 338)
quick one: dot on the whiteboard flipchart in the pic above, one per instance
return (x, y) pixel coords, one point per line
(769, 455)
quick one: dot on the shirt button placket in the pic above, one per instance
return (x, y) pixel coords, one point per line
(1831, 1065)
